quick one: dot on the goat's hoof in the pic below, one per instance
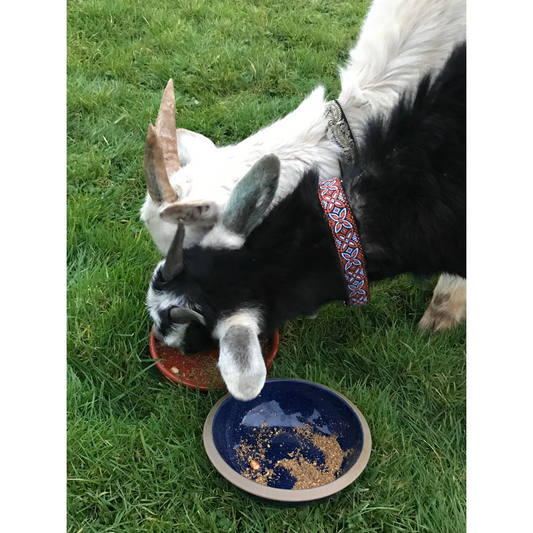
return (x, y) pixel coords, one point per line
(439, 320)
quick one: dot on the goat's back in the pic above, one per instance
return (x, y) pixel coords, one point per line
(409, 185)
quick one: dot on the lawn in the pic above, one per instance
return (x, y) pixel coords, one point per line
(135, 455)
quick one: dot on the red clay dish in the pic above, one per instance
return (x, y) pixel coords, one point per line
(199, 371)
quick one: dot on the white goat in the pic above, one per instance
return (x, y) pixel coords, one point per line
(400, 41)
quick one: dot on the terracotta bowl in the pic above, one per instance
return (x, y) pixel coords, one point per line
(199, 371)
(296, 443)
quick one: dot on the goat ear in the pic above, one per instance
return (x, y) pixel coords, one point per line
(241, 362)
(192, 145)
(251, 198)
(192, 211)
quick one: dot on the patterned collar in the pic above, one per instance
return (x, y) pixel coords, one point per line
(338, 212)
(349, 249)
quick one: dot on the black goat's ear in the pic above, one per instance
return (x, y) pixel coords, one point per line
(251, 198)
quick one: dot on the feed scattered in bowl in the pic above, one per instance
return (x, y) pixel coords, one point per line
(307, 473)
(281, 416)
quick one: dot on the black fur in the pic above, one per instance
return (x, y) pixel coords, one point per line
(287, 267)
(407, 192)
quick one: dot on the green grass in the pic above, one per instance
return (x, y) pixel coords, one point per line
(135, 455)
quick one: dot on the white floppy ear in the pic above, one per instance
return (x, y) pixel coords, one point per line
(192, 212)
(192, 145)
(241, 362)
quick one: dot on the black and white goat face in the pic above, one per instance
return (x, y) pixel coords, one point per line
(193, 312)
(179, 321)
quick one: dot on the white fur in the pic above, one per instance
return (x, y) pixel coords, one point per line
(157, 302)
(192, 145)
(298, 140)
(244, 378)
(163, 231)
(400, 41)
(176, 336)
(448, 305)
(250, 318)
(221, 237)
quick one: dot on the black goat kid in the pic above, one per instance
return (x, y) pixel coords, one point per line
(407, 192)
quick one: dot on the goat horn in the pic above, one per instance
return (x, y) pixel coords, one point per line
(183, 315)
(155, 172)
(174, 261)
(161, 151)
(166, 129)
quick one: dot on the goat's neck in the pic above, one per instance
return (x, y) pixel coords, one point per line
(299, 140)
(298, 269)
(312, 274)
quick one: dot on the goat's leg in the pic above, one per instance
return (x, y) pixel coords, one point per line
(448, 305)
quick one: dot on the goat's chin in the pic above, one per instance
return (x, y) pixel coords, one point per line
(174, 345)
(158, 335)
(175, 339)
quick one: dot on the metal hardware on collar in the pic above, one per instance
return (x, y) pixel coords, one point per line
(344, 230)
(339, 131)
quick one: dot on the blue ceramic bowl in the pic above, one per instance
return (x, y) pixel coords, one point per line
(284, 412)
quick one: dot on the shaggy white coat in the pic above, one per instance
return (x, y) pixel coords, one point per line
(400, 41)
